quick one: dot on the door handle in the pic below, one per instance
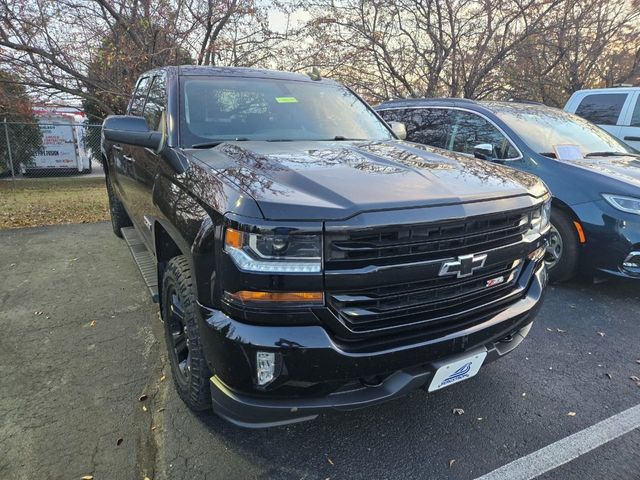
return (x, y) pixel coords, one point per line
(117, 148)
(632, 139)
(128, 158)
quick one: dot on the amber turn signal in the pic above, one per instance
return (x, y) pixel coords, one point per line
(581, 235)
(233, 238)
(299, 297)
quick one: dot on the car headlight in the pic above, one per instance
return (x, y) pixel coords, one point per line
(541, 218)
(274, 252)
(625, 204)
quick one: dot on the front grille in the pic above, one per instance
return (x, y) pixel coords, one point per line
(431, 301)
(419, 242)
(410, 293)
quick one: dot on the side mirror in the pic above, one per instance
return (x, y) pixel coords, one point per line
(130, 130)
(399, 129)
(483, 151)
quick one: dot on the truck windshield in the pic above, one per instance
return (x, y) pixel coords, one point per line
(231, 108)
(544, 128)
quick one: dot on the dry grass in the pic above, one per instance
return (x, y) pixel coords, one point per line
(49, 201)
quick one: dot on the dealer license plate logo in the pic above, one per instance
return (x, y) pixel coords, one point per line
(457, 371)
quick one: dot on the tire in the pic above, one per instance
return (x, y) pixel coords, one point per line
(189, 369)
(119, 217)
(562, 253)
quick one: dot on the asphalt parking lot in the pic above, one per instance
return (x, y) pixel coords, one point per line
(81, 344)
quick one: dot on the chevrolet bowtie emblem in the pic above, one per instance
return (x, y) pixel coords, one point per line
(464, 266)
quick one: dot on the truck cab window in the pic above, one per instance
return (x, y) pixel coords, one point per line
(635, 118)
(156, 103)
(139, 96)
(602, 108)
(470, 129)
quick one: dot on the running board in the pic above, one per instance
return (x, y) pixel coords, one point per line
(144, 259)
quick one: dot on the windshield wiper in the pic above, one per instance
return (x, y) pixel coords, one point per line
(610, 154)
(215, 143)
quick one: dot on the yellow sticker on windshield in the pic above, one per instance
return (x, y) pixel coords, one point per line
(286, 100)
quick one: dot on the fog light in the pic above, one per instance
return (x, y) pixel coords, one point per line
(265, 367)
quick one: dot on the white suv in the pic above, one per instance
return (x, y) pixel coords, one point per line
(617, 110)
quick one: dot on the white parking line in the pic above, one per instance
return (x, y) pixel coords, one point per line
(569, 448)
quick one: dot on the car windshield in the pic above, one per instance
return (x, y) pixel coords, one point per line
(217, 109)
(542, 129)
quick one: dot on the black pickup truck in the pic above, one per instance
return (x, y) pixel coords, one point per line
(304, 257)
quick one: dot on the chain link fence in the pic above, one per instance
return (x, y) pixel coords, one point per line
(51, 173)
(48, 149)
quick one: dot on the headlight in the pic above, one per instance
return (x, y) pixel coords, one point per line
(625, 204)
(541, 218)
(274, 252)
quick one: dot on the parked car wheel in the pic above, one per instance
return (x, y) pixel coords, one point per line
(186, 357)
(119, 216)
(561, 257)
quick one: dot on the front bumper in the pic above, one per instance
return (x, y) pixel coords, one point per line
(611, 236)
(318, 374)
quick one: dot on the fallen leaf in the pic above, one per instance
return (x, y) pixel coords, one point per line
(119, 442)
(144, 408)
(608, 375)
(329, 460)
(162, 378)
(634, 378)
(146, 478)
(93, 323)
(160, 410)
(480, 419)
(458, 411)
(87, 477)
(638, 361)
(560, 330)
(143, 397)
(153, 428)
(548, 329)
(524, 394)
(571, 414)
(601, 334)
(451, 462)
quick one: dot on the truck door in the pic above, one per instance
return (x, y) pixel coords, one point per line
(124, 178)
(145, 161)
(630, 131)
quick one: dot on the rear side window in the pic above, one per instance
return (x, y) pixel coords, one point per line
(429, 126)
(156, 103)
(635, 118)
(139, 96)
(602, 108)
(469, 130)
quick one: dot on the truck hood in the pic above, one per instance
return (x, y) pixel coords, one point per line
(335, 180)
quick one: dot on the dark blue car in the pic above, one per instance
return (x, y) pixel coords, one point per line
(594, 178)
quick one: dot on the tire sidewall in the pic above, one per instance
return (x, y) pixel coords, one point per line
(193, 390)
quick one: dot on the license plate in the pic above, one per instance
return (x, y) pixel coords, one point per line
(457, 369)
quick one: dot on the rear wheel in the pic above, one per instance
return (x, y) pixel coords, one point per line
(188, 366)
(119, 217)
(561, 256)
